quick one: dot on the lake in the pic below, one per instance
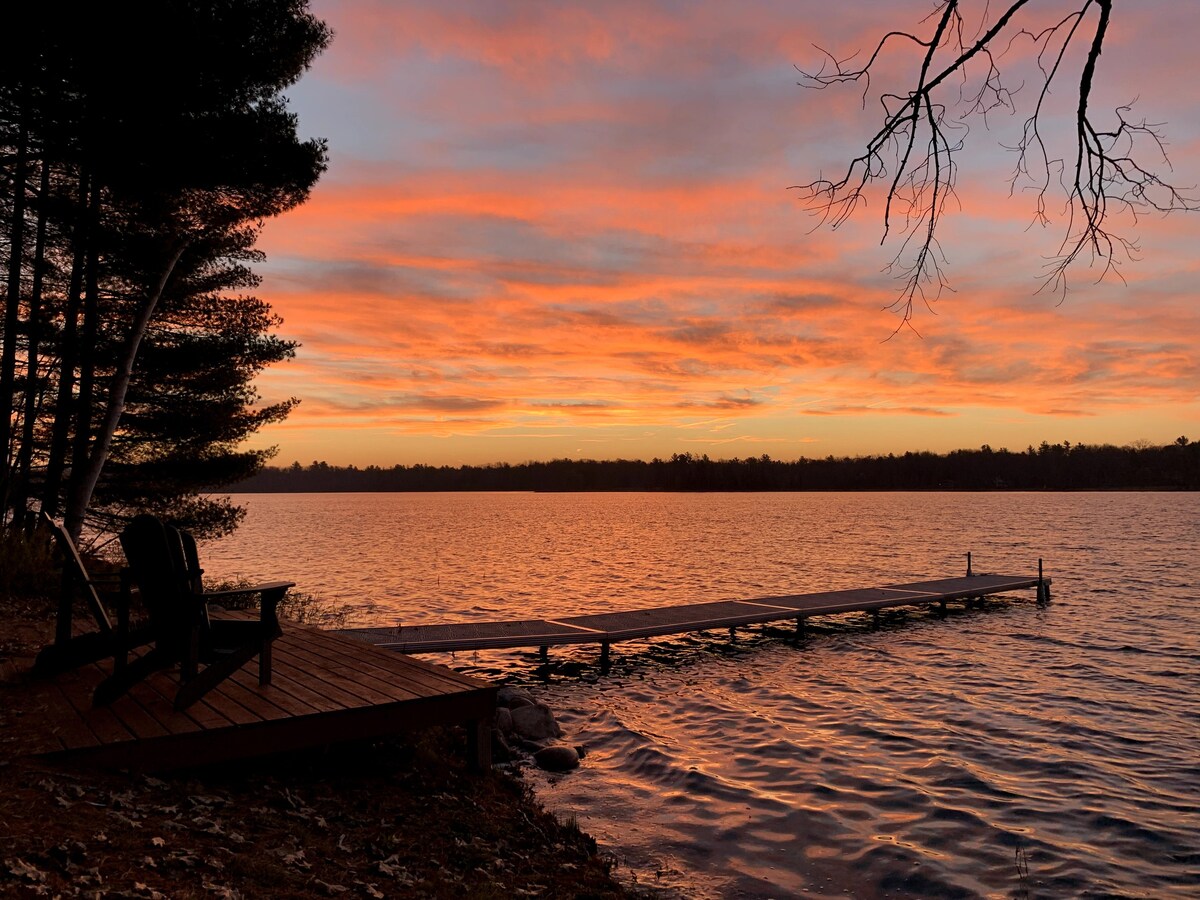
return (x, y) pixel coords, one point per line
(1013, 750)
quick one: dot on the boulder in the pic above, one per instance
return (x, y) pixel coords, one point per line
(535, 723)
(557, 758)
(511, 698)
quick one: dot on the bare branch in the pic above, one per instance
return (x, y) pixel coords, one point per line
(913, 153)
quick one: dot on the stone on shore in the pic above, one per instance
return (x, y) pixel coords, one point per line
(523, 724)
(535, 723)
(557, 758)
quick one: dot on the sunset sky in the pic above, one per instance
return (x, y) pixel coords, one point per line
(557, 229)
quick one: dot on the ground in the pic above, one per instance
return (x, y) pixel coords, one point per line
(400, 817)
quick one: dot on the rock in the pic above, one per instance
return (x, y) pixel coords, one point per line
(511, 698)
(503, 720)
(557, 758)
(581, 750)
(535, 723)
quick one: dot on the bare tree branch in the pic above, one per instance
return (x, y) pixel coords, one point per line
(914, 150)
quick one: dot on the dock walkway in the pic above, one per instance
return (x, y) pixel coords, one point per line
(608, 628)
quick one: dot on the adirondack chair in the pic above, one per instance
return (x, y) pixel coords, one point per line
(164, 565)
(71, 650)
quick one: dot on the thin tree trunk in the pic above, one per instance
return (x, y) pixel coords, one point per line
(84, 408)
(25, 444)
(12, 308)
(81, 495)
(56, 461)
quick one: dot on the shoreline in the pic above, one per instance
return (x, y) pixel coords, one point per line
(366, 819)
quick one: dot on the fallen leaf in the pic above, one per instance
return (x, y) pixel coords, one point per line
(22, 869)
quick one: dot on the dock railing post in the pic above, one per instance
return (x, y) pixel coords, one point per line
(1043, 589)
(969, 572)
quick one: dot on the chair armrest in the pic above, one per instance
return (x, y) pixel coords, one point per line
(272, 587)
(270, 595)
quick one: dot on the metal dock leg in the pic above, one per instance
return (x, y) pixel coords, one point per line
(1043, 589)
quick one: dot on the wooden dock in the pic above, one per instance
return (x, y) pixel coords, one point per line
(325, 688)
(608, 628)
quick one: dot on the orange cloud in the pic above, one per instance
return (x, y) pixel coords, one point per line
(549, 224)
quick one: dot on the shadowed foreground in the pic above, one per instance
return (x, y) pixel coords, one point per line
(399, 816)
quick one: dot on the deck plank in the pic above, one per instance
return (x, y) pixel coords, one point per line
(970, 585)
(479, 635)
(389, 666)
(618, 626)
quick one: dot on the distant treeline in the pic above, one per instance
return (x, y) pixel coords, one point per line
(1047, 467)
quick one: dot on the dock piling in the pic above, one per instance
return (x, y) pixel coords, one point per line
(969, 572)
(604, 658)
(1043, 589)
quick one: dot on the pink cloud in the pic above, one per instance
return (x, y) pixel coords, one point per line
(589, 229)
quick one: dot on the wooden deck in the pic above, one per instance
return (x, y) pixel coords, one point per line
(325, 688)
(608, 628)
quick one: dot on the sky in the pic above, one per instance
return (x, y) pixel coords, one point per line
(566, 229)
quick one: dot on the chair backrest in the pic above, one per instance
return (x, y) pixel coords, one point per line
(75, 572)
(193, 574)
(156, 559)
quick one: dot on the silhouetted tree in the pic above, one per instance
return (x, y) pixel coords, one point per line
(161, 139)
(1049, 466)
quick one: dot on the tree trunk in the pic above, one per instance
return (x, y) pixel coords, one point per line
(56, 461)
(12, 308)
(32, 392)
(84, 402)
(81, 494)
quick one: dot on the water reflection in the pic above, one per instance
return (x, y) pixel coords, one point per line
(1014, 750)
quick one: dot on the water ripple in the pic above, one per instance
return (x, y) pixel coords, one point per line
(1010, 750)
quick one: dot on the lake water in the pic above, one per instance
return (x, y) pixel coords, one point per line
(1014, 750)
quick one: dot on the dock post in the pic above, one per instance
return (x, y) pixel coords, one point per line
(733, 634)
(479, 739)
(544, 653)
(942, 607)
(1043, 590)
(800, 628)
(969, 572)
(875, 618)
(604, 658)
